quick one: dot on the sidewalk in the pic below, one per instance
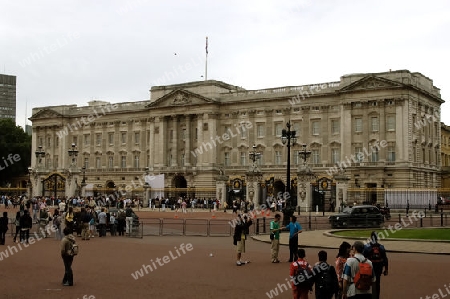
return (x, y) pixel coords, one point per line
(323, 239)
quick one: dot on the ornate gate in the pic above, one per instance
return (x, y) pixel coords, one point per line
(54, 185)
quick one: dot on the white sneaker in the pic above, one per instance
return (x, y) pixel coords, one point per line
(239, 263)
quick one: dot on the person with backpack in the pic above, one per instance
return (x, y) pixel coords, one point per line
(301, 275)
(376, 253)
(358, 276)
(326, 281)
(67, 254)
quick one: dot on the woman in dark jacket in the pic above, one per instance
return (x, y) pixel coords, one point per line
(17, 223)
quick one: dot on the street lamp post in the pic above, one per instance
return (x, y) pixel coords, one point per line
(83, 182)
(147, 199)
(288, 138)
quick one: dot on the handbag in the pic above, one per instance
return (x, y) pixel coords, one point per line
(272, 236)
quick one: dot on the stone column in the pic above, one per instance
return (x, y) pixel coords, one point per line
(341, 190)
(199, 139)
(187, 148)
(174, 151)
(221, 188)
(151, 144)
(304, 177)
(72, 179)
(253, 190)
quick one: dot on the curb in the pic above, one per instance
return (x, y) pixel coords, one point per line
(327, 234)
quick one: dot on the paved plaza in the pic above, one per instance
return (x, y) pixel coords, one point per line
(105, 266)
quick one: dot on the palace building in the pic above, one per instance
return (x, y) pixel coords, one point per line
(362, 134)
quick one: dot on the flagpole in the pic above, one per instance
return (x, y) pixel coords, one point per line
(206, 60)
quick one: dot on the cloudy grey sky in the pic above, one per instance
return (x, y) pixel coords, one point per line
(73, 51)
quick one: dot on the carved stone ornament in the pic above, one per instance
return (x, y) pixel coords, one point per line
(181, 99)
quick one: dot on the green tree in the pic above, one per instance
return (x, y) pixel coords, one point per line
(15, 151)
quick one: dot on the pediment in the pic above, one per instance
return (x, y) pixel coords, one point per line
(180, 98)
(45, 113)
(370, 83)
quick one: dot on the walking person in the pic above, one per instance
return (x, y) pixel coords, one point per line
(376, 253)
(326, 281)
(85, 220)
(69, 218)
(67, 257)
(102, 223)
(241, 231)
(301, 275)
(341, 259)
(57, 225)
(350, 269)
(121, 219)
(26, 222)
(3, 227)
(129, 219)
(275, 238)
(294, 229)
(17, 224)
(43, 221)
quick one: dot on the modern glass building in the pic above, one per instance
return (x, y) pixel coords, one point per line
(8, 96)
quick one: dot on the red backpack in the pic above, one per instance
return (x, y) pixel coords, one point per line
(375, 254)
(363, 278)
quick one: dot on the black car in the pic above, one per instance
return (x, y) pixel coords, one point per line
(357, 216)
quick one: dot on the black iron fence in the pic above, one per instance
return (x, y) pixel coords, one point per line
(225, 228)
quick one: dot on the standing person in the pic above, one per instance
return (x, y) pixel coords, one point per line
(43, 221)
(376, 253)
(299, 271)
(351, 268)
(3, 227)
(326, 280)
(112, 224)
(67, 257)
(275, 232)
(121, 222)
(92, 223)
(341, 258)
(102, 223)
(26, 222)
(129, 219)
(85, 220)
(69, 218)
(17, 223)
(294, 229)
(57, 225)
(240, 231)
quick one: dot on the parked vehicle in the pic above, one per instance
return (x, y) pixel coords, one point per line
(357, 216)
(443, 201)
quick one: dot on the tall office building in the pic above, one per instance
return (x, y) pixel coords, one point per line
(8, 96)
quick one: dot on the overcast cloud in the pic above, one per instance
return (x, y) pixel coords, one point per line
(70, 52)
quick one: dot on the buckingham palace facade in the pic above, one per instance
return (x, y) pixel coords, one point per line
(364, 132)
